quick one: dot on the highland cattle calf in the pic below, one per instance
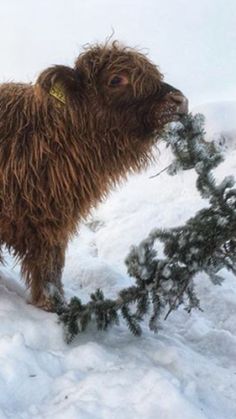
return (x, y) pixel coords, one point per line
(65, 141)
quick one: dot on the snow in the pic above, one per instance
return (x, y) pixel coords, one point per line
(187, 370)
(220, 121)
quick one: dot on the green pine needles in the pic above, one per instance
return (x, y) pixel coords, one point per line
(206, 243)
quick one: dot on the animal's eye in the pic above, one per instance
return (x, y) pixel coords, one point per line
(118, 80)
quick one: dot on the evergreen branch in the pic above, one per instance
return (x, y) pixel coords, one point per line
(206, 243)
(177, 298)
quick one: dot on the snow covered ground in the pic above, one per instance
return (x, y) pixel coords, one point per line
(186, 371)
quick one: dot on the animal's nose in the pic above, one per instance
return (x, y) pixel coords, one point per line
(174, 95)
(180, 100)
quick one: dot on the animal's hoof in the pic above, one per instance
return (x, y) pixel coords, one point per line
(46, 304)
(51, 299)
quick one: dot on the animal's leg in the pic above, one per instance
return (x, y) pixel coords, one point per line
(42, 268)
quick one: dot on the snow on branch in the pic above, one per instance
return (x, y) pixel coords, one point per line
(206, 243)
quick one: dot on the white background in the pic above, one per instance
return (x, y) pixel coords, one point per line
(192, 41)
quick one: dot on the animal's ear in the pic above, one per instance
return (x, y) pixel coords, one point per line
(66, 77)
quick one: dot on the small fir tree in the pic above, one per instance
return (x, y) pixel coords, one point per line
(206, 243)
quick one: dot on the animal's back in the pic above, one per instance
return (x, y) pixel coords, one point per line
(21, 160)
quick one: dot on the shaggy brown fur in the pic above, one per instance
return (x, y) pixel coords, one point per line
(58, 160)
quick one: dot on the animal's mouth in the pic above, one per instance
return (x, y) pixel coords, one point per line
(169, 116)
(176, 116)
(174, 110)
(169, 112)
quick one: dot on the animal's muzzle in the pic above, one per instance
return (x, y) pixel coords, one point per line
(174, 95)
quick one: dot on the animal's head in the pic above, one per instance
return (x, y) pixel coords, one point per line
(120, 87)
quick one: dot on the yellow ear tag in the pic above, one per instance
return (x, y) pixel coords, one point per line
(57, 92)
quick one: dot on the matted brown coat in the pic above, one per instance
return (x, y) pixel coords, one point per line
(60, 153)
